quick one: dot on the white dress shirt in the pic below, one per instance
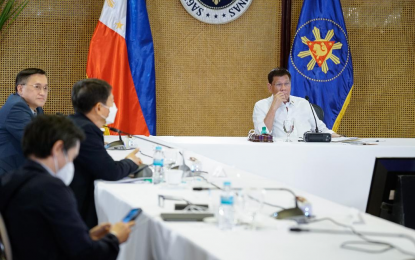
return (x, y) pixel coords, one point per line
(297, 109)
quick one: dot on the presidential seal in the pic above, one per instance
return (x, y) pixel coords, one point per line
(216, 11)
(320, 50)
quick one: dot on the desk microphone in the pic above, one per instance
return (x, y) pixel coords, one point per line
(116, 145)
(316, 136)
(183, 167)
(312, 110)
(136, 136)
(295, 213)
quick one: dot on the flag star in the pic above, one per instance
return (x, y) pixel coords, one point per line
(119, 25)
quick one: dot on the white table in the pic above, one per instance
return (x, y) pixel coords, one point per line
(335, 171)
(154, 239)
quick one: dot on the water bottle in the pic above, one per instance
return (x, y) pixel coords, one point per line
(158, 162)
(226, 210)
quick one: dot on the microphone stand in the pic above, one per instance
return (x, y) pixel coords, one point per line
(136, 136)
(291, 213)
(312, 110)
(309, 136)
(183, 167)
(118, 145)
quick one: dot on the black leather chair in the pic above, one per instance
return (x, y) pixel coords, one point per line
(319, 111)
(403, 208)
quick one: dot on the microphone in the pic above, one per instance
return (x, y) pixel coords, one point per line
(295, 213)
(312, 110)
(136, 136)
(183, 167)
(316, 136)
(117, 131)
(115, 145)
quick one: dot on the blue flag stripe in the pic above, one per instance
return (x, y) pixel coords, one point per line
(141, 59)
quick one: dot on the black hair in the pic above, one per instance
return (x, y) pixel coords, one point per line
(45, 130)
(23, 75)
(87, 93)
(278, 72)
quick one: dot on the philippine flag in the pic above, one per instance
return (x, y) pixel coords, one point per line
(121, 52)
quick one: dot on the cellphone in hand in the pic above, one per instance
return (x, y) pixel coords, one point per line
(132, 215)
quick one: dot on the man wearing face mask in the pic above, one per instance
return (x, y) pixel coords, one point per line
(271, 112)
(39, 209)
(31, 88)
(94, 107)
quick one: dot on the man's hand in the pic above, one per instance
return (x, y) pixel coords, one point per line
(279, 98)
(122, 230)
(133, 157)
(335, 135)
(98, 232)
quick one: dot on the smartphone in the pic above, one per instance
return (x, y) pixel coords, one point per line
(132, 215)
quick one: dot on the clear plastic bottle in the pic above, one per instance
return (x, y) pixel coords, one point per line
(226, 210)
(158, 163)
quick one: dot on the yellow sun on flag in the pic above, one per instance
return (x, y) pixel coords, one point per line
(110, 3)
(320, 50)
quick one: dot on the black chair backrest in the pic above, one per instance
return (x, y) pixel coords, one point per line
(319, 111)
(403, 208)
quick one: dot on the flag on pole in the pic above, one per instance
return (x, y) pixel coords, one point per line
(121, 52)
(320, 61)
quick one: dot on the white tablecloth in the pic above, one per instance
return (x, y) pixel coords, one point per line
(154, 239)
(338, 172)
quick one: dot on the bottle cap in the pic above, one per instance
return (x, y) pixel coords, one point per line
(227, 183)
(158, 148)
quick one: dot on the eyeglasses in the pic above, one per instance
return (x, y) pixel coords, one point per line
(38, 87)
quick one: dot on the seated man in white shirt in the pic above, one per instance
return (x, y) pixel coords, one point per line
(271, 112)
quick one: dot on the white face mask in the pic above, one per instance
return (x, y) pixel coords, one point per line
(66, 172)
(111, 116)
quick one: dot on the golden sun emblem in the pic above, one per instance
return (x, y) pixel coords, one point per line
(110, 3)
(320, 50)
(216, 2)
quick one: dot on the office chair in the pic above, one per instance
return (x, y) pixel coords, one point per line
(5, 248)
(403, 209)
(319, 111)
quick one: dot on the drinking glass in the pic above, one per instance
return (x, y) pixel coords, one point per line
(170, 158)
(288, 126)
(249, 203)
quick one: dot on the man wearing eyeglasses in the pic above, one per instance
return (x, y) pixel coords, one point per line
(272, 111)
(31, 93)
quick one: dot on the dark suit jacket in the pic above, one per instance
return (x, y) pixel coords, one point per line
(42, 219)
(14, 116)
(94, 163)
